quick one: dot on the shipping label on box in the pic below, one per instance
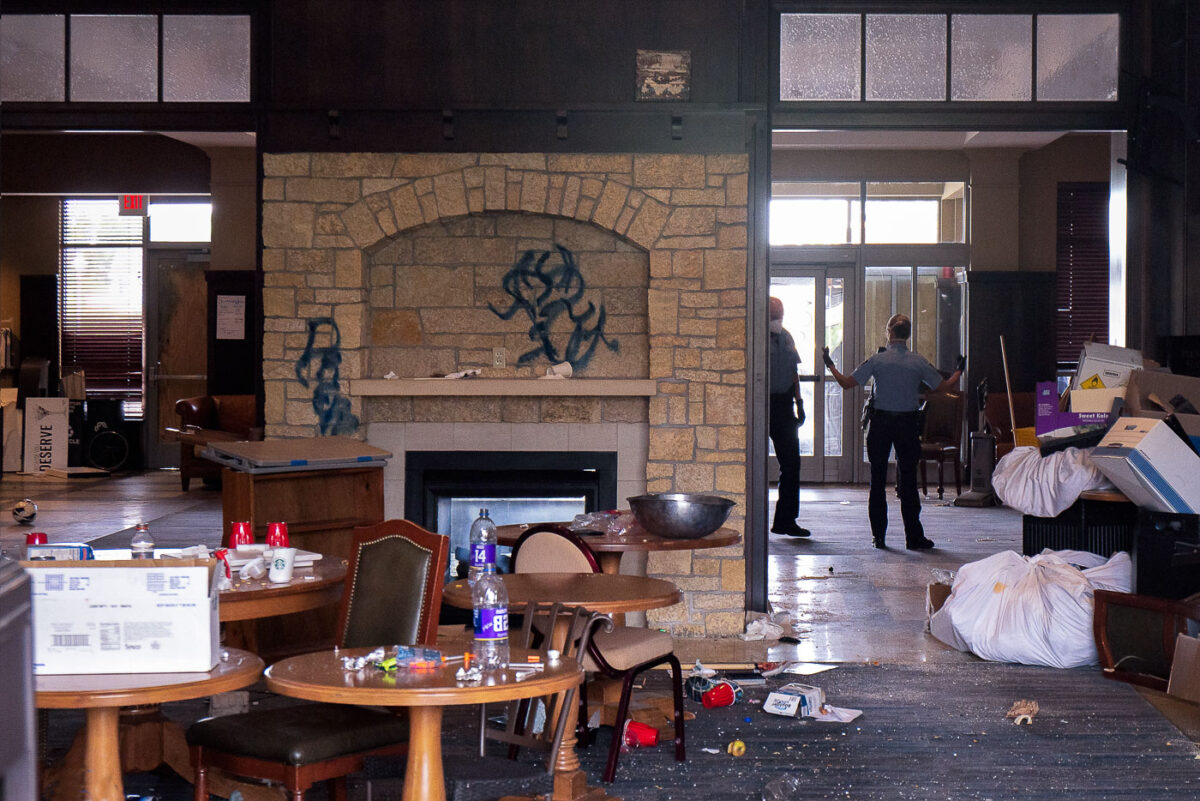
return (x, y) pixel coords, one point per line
(1105, 366)
(795, 700)
(45, 434)
(1150, 464)
(144, 616)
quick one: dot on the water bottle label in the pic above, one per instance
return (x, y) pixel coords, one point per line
(491, 624)
(483, 554)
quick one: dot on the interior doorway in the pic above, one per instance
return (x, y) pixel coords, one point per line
(818, 312)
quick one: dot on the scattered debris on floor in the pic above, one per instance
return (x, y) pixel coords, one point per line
(1022, 712)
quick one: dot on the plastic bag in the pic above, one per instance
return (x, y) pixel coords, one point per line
(1045, 486)
(1030, 610)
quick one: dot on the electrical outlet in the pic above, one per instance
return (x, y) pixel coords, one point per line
(499, 357)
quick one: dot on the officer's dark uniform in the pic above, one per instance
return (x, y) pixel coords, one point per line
(896, 422)
(783, 423)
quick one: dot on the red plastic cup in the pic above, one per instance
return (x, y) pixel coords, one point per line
(720, 695)
(277, 536)
(35, 538)
(240, 533)
(638, 734)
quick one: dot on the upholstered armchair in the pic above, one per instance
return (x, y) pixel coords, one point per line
(211, 418)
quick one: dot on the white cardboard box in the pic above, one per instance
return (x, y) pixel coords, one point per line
(1151, 464)
(45, 434)
(1105, 366)
(137, 616)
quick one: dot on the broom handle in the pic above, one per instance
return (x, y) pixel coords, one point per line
(1012, 417)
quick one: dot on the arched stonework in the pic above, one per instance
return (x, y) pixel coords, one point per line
(323, 211)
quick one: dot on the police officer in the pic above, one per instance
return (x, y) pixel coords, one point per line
(896, 422)
(783, 423)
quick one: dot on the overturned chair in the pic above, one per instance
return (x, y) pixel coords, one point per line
(622, 653)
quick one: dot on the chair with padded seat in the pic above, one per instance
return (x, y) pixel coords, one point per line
(941, 440)
(1136, 634)
(622, 653)
(211, 418)
(392, 596)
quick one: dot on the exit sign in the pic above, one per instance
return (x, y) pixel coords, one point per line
(134, 205)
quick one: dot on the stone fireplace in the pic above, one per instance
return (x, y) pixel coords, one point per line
(632, 267)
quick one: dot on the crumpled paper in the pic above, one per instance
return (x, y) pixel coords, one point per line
(835, 714)
(762, 627)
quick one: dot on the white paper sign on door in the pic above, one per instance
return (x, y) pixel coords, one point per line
(231, 316)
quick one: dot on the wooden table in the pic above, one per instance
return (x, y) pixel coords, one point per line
(599, 592)
(320, 677)
(94, 762)
(310, 588)
(609, 547)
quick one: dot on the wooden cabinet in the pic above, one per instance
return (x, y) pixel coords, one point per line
(321, 508)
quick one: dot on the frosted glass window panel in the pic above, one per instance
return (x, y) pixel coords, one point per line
(991, 57)
(906, 57)
(820, 56)
(180, 222)
(32, 57)
(206, 59)
(114, 58)
(1077, 56)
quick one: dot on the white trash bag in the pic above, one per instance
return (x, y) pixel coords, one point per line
(1045, 486)
(1034, 610)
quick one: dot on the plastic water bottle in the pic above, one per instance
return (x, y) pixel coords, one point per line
(483, 545)
(141, 545)
(489, 598)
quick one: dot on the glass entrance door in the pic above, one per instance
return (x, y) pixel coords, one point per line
(817, 304)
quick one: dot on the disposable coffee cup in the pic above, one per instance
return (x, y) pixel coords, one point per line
(283, 562)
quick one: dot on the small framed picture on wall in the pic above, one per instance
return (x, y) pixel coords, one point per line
(664, 74)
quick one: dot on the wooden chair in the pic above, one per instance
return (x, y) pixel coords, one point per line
(622, 653)
(942, 437)
(393, 592)
(1135, 635)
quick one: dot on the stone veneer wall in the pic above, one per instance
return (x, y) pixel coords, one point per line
(324, 215)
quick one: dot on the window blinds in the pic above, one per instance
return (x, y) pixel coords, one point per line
(1082, 268)
(100, 297)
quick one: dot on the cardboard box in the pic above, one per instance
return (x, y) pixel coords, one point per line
(1164, 386)
(1151, 464)
(1048, 418)
(138, 616)
(1105, 366)
(1095, 401)
(45, 433)
(1185, 669)
(795, 700)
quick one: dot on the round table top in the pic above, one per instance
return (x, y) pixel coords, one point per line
(618, 543)
(320, 676)
(236, 669)
(599, 592)
(310, 588)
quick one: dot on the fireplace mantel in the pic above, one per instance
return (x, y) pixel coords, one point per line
(527, 387)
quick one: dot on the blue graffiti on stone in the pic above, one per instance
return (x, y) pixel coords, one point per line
(320, 366)
(544, 291)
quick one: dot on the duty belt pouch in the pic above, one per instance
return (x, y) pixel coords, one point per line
(868, 412)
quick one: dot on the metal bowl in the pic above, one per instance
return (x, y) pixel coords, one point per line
(680, 515)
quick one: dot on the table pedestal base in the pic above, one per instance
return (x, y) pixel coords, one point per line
(145, 739)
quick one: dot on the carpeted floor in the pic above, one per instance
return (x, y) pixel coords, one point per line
(1092, 741)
